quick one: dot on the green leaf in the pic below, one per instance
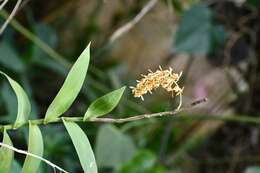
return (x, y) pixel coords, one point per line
(70, 88)
(218, 36)
(143, 162)
(194, 32)
(29, 90)
(35, 146)
(24, 106)
(6, 155)
(9, 58)
(252, 169)
(104, 104)
(82, 146)
(113, 148)
(9, 102)
(16, 167)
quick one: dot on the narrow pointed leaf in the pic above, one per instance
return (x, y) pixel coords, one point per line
(35, 146)
(70, 87)
(6, 155)
(82, 146)
(24, 106)
(104, 104)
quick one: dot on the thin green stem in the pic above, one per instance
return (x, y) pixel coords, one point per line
(42, 45)
(170, 114)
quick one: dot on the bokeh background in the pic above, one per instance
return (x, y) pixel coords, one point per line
(216, 43)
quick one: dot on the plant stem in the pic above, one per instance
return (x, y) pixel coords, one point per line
(30, 36)
(104, 120)
(8, 19)
(32, 155)
(182, 117)
(128, 26)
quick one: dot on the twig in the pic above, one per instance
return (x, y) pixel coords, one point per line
(108, 120)
(124, 29)
(145, 116)
(189, 117)
(11, 16)
(3, 4)
(234, 118)
(128, 26)
(37, 41)
(32, 155)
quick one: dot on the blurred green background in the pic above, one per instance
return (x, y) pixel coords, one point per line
(216, 43)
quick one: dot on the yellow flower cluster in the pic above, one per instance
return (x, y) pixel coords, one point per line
(161, 78)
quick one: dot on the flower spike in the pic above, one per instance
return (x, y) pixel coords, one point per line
(160, 78)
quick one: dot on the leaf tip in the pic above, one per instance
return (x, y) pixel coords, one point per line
(89, 44)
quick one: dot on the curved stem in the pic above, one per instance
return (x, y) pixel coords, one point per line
(180, 102)
(104, 120)
(128, 26)
(32, 155)
(37, 41)
(183, 117)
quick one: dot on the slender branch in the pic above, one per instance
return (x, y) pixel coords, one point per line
(59, 58)
(32, 155)
(11, 16)
(244, 119)
(3, 4)
(231, 118)
(37, 41)
(107, 120)
(128, 26)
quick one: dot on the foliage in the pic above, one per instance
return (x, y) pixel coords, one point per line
(24, 106)
(222, 30)
(35, 146)
(104, 104)
(113, 148)
(143, 162)
(60, 104)
(70, 88)
(82, 146)
(6, 155)
(197, 34)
